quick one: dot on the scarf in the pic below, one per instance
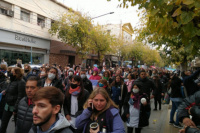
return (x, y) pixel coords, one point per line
(75, 91)
(29, 102)
(136, 100)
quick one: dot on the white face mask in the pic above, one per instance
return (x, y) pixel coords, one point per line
(135, 90)
(83, 76)
(51, 76)
(70, 73)
(42, 72)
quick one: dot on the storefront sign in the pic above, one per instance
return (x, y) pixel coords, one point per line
(24, 38)
(114, 58)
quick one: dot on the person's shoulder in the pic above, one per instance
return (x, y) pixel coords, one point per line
(114, 111)
(65, 130)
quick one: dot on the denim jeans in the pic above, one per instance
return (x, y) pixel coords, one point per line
(173, 110)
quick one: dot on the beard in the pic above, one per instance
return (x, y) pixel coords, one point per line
(46, 119)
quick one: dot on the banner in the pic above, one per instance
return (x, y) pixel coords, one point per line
(94, 83)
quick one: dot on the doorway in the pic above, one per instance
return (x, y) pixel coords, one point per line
(71, 61)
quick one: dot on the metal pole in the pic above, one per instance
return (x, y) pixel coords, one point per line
(31, 57)
(103, 15)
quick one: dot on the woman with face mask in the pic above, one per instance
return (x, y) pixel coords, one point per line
(14, 93)
(104, 84)
(52, 79)
(75, 98)
(95, 75)
(101, 112)
(136, 108)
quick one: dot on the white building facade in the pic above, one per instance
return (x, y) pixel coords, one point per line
(24, 26)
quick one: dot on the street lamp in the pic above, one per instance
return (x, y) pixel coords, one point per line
(103, 15)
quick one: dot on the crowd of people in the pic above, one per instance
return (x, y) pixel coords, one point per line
(60, 99)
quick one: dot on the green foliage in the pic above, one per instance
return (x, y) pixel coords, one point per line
(173, 23)
(74, 30)
(100, 41)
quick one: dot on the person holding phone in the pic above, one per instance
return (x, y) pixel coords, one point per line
(100, 109)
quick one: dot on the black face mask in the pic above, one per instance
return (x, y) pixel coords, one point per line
(25, 71)
(12, 77)
(73, 86)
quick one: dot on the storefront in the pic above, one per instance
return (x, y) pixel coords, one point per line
(14, 46)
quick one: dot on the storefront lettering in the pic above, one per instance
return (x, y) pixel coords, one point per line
(24, 39)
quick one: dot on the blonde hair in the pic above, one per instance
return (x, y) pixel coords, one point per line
(103, 92)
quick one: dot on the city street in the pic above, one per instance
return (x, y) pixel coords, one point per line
(159, 122)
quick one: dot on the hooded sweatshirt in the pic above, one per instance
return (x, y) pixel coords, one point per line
(61, 126)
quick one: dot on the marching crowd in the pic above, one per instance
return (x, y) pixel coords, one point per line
(56, 99)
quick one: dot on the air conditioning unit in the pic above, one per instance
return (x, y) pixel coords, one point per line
(10, 13)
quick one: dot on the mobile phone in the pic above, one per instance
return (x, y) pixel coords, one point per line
(91, 105)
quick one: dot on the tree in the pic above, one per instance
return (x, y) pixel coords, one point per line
(74, 29)
(171, 20)
(100, 42)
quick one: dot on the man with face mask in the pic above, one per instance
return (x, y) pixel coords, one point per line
(52, 79)
(86, 82)
(35, 72)
(47, 103)
(146, 85)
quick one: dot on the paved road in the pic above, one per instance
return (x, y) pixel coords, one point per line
(158, 122)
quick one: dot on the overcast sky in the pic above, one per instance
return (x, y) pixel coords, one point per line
(96, 8)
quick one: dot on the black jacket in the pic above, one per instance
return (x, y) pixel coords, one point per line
(3, 86)
(81, 102)
(187, 103)
(87, 85)
(158, 89)
(189, 83)
(144, 110)
(146, 84)
(56, 83)
(15, 92)
(176, 87)
(192, 130)
(24, 116)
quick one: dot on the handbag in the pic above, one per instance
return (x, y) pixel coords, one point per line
(166, 99)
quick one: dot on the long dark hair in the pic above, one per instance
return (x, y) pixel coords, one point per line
(78, 79)
(114, 82)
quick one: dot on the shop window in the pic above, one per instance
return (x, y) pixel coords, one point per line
(41, 21)
(25, 15)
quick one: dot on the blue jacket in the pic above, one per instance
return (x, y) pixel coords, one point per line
(114, 123)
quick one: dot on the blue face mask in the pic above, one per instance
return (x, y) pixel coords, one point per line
(101, 85)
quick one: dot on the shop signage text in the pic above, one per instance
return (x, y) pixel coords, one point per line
(24, 39)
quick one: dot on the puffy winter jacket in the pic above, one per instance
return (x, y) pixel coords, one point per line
(15, 92)
(191, 101)
(24, 116)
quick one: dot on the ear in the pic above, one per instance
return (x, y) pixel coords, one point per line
(56, 109)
